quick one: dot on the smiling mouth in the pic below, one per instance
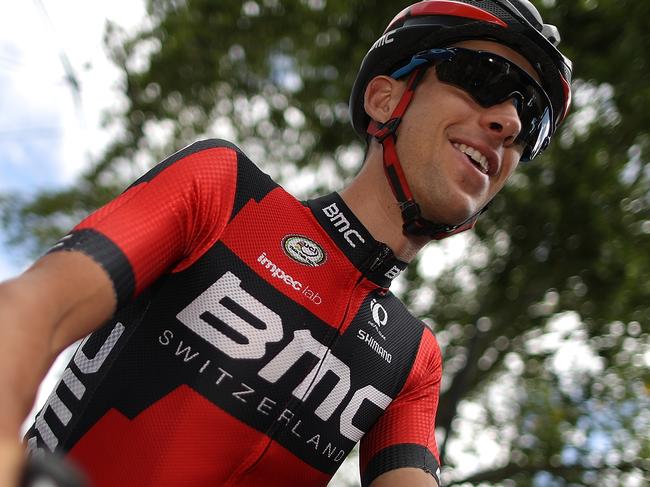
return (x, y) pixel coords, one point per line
(475, 156)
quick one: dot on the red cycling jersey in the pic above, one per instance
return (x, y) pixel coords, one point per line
(255, 340)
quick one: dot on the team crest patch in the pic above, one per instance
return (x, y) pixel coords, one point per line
(303, 250)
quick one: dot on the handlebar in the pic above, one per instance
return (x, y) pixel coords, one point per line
(50, 470)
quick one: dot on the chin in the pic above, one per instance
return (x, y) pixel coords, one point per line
(454, 216)
(449, 206)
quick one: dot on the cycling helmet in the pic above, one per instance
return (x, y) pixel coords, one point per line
(438, 23)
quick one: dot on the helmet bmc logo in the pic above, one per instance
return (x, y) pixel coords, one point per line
(303, 250)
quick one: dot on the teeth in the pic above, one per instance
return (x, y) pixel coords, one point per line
(475, 155)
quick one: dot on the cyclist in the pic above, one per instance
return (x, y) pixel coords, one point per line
(238, 336)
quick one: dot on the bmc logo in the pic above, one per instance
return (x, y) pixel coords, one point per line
(254, 347)
(342, 224)
(383, 40)
(76, 388)
(393, 272)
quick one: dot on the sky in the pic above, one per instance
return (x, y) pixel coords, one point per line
(48, 130)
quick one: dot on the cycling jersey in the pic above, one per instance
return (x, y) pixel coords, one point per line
(255, 340)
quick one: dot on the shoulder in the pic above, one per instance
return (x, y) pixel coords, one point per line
(207, 166)
(426, 355)
(419, 353)
(400, 313)
(200, 154)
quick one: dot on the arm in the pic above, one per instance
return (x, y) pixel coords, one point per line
(167, 218)
(405, 476)
(61, 298)
(400, 449)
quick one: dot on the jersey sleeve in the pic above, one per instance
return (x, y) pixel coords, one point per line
(162, 222)
(404, 436)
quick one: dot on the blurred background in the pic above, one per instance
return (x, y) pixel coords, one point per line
(542, 313)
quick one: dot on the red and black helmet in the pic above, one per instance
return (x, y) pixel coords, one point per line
(432, 24)
(439, 23)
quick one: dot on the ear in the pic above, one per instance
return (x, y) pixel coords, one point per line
(382, 96)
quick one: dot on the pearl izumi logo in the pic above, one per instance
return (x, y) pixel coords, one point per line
(379, 317)
(303, 250)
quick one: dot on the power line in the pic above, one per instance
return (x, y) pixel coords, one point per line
(70, 76)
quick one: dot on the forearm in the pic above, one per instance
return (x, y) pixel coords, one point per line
(26, 352)
(414, 477)
(60, 299)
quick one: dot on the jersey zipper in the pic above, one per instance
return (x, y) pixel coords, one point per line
(273, 431)
(377, 260)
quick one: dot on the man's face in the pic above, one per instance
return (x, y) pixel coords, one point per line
(441, 127)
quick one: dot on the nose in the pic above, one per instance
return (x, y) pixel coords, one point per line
(502, 121)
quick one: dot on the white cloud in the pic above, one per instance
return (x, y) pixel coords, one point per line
(45, 140)
(36, 94)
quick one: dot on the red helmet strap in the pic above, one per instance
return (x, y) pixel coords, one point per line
(386, 135)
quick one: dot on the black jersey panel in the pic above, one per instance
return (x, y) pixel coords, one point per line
(252, 183)
(190, 149)
(381, 343)
(70, 410)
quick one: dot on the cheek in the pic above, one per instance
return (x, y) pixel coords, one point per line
(510, 163)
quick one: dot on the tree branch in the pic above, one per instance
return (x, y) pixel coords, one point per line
(513, 469)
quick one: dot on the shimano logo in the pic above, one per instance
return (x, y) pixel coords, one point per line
(278, 273)
(342, 224)
(365, 337)
(379, 319)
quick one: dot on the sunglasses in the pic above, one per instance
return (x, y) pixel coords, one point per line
(491, 79)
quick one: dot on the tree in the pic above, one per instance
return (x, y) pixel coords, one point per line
(543, 321)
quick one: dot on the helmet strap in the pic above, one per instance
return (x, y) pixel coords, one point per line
(386, 134)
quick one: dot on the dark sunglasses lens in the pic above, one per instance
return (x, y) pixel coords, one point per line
(491, 80)
(538, 138)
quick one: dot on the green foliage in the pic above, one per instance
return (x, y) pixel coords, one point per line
(544, 322)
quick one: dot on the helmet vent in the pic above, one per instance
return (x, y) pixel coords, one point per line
(551, 33)
(494, 8)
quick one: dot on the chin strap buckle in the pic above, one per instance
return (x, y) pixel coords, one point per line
(381, 131)
(416, 224)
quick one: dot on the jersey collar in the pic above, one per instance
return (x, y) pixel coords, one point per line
(374, 259)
